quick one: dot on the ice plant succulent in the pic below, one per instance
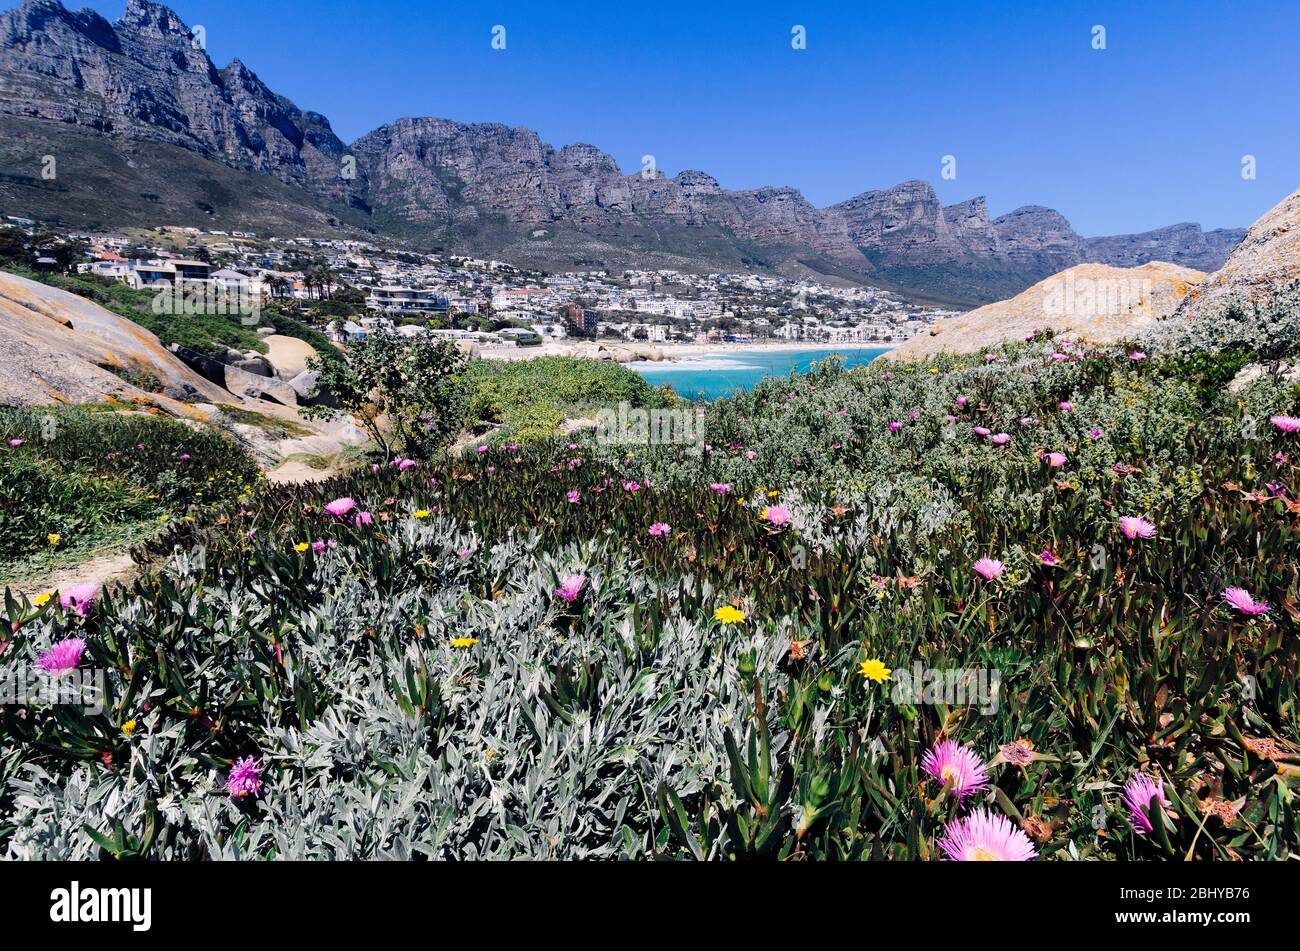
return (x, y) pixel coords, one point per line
(988, 568)
(1286, 424)
(340, 507)
(1136, 527)
(1139, 794)
(957, 767)
(778, 515)
(79, 598)
(984, 836)
(570, 588)
(1241, 600)
(661, 530)
(62, 658)
(245, 778)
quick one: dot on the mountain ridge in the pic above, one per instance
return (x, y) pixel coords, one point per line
(481, 187)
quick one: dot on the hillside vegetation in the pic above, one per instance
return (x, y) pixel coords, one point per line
(727, 648)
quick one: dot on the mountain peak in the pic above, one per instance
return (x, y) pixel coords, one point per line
(147, 17)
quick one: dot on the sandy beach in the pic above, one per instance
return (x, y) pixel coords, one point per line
(627, 351)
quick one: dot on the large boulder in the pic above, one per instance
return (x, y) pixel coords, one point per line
(56, 347)
(1092, 302)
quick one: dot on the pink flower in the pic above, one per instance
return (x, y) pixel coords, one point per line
(660, 530)
(1094, 433)
(340, 507)
(778, 515)
(364, 519)
(1056, 459)
(956, 766)
(1287, 424)
(1048, 557)
(185, 457)
(570, 588)
(961, 401)
(751, 455)
(1001, 439)
(722, 488)
(62, 658)
(404, 464)
(1134, 527)
(1137, 356)
(988, 568)
(374, 467)
(980, 431)
(1240, 599)
(320, 547)
(1065, 406)
(245, 778)
(481, 449)
(80, 597)
(984, 836)
(1058, 357)
(1139, 793)
(895, 426)
(574, 496)
(15, 443)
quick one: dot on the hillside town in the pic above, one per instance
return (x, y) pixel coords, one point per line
(484, 301)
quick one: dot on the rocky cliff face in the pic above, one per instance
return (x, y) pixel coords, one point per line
(152, 131)
(146, 77)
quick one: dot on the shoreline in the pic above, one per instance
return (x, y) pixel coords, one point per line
(639, 351)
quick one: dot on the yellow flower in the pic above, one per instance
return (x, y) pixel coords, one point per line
(41, 599)
(728, 615)
(874, 670)
(773, 494)
(421, 513)
(162, 518)
(128, 727)
(53, 538)
(301, 547)
(464, 641)
(934, 369)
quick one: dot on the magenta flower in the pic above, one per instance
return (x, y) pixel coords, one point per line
(1049, 558)
(363, 519)
(245, 778)
(340, 507)
(1137, 356)
(319, 547)
(1286, 424)
(80, 597)
(660, 530)
(481, 449)
(722, 488)
(185, 457)
(961, 401)
(778, 515)
(1134, 527)
(570, 588)
(1056, 459)
(1058, 356)
(980, 430)
(574, 496)
(957, 767)
(404, 464)
(984, 836)
(1139, 793)
(1240, 599)
(1065, 406)
(1001, 439)
(895, 426)
(62, 658)
(988, 568)
(15, 443)
(1094, 433)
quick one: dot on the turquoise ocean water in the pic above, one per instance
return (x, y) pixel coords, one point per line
(721, 374)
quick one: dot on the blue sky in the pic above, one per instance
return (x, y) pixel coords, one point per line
(1147, 132)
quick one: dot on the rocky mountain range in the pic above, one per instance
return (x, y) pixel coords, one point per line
(145, 129)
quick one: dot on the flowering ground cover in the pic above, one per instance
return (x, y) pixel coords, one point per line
(851, 621)
(71, 477)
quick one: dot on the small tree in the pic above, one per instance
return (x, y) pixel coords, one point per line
(405, 392)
